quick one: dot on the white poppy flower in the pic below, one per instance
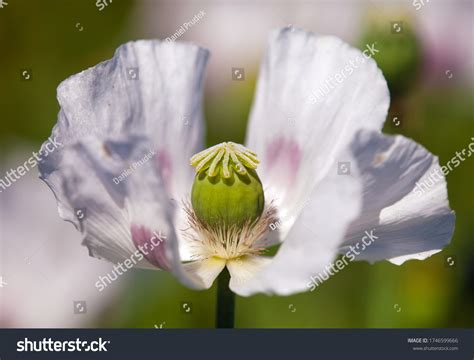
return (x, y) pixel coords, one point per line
(327, 174)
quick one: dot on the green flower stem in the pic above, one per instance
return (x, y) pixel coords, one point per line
(225, 302)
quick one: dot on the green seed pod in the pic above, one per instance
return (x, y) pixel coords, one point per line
(400, 52)
(226, 190)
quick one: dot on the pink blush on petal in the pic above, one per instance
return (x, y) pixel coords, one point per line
(283, 159)
(164, 166)
(151, 245)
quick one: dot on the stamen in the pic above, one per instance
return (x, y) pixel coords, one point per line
(230, 156)
(227, 242)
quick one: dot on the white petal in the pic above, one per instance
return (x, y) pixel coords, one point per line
(296, 139)
(163, 101)
(148, 88)
(128, 215)
(205, 271)
(314, 239)
(92, 201)
(243, 269)
(399, 260)
(149, 209)
(408, 223)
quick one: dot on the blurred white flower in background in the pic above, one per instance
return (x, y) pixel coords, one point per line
(446, 30)
(45, 279)
(234, 31)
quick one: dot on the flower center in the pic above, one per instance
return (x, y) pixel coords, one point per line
(227, 214)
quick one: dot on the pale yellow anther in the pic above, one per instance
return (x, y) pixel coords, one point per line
(229, 156)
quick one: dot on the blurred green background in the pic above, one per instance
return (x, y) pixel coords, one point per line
(54, 39)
